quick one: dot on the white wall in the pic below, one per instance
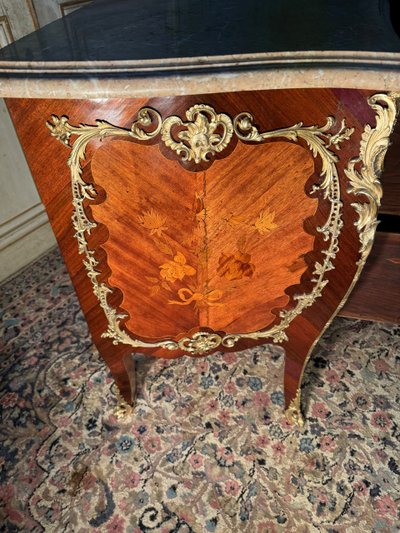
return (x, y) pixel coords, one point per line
(49, 10)
(25, 232)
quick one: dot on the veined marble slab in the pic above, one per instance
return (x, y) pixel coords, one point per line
(136, 48)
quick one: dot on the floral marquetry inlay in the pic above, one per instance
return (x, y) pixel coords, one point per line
(235, 266)
(153, 221)
(265, 222)
(199, 268)
(177, 268)
(207, 253)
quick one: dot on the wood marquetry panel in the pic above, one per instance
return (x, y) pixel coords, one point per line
(212, 249)
(266, 235)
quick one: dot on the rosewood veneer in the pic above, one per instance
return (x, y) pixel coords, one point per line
(207, 198)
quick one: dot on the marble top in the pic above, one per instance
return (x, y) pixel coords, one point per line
(170, 47)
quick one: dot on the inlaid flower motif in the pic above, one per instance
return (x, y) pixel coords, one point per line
(235, 266)
(235, 220)
(176, 268)
(265, 222)
(153, 221)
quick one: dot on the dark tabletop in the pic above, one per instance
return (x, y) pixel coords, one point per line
(155, 29)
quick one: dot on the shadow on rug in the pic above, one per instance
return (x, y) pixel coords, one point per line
(207, 448)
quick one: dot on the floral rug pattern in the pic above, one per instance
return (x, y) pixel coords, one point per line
(207, 448)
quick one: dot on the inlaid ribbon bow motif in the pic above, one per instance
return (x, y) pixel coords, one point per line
(187, 296)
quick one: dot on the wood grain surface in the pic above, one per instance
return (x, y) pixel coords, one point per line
(160, 180)
(377, 294)
(391, 177)
(213, 249)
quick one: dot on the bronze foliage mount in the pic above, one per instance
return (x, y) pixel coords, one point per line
(207, 133)
(198, 142)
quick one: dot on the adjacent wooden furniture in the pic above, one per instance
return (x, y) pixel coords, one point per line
(216, 212)
(377, 295)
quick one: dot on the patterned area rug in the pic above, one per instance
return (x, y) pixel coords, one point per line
(207, 448)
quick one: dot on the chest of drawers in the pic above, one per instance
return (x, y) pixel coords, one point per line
(211, 200)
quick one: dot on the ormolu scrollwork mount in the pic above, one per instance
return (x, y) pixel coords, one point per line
(198, 142)
(215, 220)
